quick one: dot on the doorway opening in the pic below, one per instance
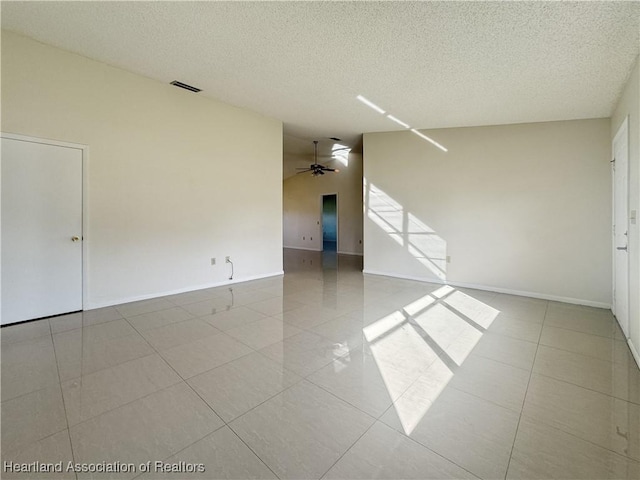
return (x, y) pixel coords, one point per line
(330, 222)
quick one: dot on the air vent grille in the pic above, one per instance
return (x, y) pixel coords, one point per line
(185, 86)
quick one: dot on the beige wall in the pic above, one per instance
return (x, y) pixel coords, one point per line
(173, 178)
(518, 208)
(629, 106)
(303, 207)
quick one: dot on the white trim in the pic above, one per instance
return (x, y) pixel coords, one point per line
(542, 296)
(109, 303)
(351, 253)
(303, 248)
(634, 352)
(85, 197)
(45, 141)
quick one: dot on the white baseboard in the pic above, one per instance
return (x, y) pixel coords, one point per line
(521, 293)
(303, 248)
(634, 352)
(136, 298)
(351, 253)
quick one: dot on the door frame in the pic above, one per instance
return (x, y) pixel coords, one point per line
(623, 131)
(322, 195)
(85, 197)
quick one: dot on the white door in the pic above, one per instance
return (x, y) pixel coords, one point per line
(620, 228)
(41, 230)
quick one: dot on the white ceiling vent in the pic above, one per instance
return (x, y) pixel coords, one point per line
(185, 86)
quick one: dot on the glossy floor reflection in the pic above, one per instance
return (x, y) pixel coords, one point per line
(326, 373)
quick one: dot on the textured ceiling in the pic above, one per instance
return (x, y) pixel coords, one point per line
(431, 64)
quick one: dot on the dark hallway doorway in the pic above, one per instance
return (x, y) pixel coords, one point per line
(330, 223)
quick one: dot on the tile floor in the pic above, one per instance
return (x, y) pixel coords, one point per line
(326, 373)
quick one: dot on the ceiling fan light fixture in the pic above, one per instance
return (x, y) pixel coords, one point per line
(315, 168)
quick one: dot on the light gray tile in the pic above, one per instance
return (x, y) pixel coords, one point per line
(408, 410)
(511, 351)
(383, 453)
(66, 322)
(54, 449)
(521, 308)
(143, 306)
(302, 431)
(359, 380)
(578, 342)
(236, 387)
(442, 330)
(30, 418)
(558, 309)
(274, 306)
(471, 432)
(235, 317)
(345, 330)
(179, 333)
(78, 356)
(371, 312)
(154, 427)
(264, 332)
(25, 331)
(541, 451)
(616, 379)
(100, 315)
(150, 320)
(594, 322)
(196, 357)
(104, 331)
(598, 418)
(243, 297)
(304, 353)
(94, 394)
(28, 366)
(210, 306)
(223, 456)
(412, 345)
(85, 318)
(512, 327)
(475, 310)
(194, 297)
(494, 381)
(308, 317)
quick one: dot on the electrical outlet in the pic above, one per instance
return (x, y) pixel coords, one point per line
(227, 259)
(213, 260)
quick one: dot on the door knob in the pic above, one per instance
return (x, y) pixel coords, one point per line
(621, 248)
(75, 238)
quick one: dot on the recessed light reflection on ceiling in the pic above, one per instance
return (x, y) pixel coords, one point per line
(398, 121)
(430, 140)
(370, 104)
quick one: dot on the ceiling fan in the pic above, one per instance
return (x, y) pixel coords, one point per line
(315, 168)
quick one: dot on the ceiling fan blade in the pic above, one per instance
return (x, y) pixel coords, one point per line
(305, 171)
(330, 169)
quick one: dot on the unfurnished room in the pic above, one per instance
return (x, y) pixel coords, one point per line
(320, 240)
